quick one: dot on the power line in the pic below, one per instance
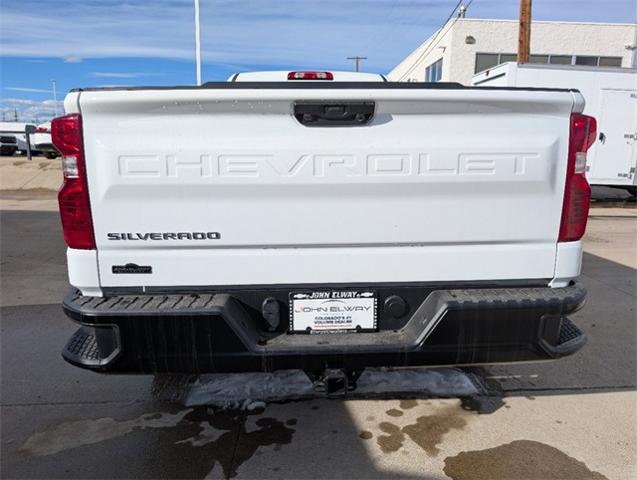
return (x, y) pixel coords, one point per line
(380, 34)
(435, 40)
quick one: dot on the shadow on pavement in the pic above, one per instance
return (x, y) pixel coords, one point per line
(607, 363)
(33, 259)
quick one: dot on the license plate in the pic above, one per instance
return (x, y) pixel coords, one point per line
(333, 311)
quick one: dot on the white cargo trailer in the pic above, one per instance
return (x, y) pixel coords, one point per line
(611, 97)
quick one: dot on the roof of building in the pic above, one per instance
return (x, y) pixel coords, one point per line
(501, 20)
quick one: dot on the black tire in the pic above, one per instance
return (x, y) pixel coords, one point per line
(51, 155)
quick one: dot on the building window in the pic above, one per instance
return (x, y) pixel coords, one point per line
(538, 59)
(561, 59)
(433, 73)
(484, 61)
(508, 57)
(610, 61)
(586, 60)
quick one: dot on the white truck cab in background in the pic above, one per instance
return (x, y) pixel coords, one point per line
(324, 221)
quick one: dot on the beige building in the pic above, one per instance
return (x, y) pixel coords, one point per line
(465, 46)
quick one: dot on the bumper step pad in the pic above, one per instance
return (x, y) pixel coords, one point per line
(83, 347)
(92, 347)
(570, 340)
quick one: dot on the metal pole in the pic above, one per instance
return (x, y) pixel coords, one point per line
(197, 42)
(55, 96)
(27, 136)
(28, 131)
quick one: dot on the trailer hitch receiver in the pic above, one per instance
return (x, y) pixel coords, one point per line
(334, 382)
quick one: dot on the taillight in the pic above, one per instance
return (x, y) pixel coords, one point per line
(577, 191)
(75, 211)
(310, 76)
(41, 130)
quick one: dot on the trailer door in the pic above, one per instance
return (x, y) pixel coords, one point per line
(616, 155)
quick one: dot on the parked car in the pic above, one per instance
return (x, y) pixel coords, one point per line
(21, 139)
(323, 221)
(41, 141)
(8, 144)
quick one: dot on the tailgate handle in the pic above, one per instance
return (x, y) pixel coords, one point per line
(334, 114)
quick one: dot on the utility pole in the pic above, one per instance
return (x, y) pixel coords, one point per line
(15, 114)
(197, 43)
(55, 96)
(524, 32)
(357, 60)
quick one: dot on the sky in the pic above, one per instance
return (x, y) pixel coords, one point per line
(89, 43)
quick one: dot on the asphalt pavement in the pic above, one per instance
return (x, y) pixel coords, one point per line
(570, 419)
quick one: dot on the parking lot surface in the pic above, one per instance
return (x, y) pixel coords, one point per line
(571, 419)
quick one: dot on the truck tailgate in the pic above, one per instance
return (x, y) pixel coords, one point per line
(441, 185)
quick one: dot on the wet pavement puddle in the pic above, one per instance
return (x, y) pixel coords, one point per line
(214, 439)
(427, 432)
(394, 412)
(522, 460)
(75, 434)
(408, 403)
(205, 438)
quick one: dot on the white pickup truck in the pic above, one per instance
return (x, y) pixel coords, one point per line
(322, 221)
